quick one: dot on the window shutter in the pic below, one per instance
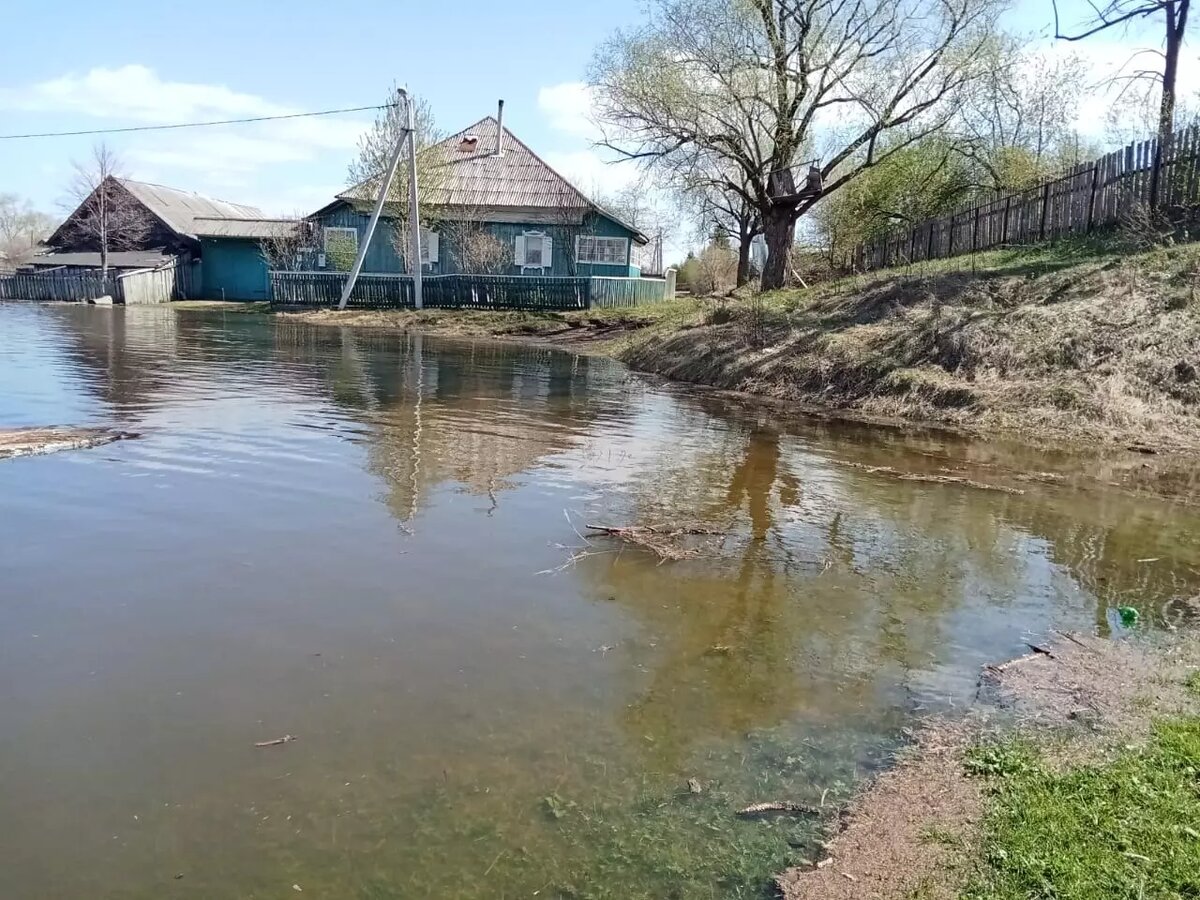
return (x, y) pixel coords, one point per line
(519, 250)
(547, 252)
(429, 246)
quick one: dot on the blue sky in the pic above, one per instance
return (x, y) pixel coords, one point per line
(76, 65)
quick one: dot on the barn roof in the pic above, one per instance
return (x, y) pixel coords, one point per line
(468, 173)
(180, 209)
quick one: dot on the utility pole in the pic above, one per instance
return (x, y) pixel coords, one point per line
(407, 135)
(414, 220)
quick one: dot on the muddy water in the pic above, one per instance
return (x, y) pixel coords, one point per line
(370, 542)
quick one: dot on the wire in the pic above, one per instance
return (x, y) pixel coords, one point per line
(326, 112)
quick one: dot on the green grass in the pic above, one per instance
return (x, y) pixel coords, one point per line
(1126, 829)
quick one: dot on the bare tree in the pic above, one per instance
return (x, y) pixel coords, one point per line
(107, 217)
(22, 228)
(375, 150)
(478, 250)
(1017, 125)
(1116, 13)
(757, 84)
(287, 249)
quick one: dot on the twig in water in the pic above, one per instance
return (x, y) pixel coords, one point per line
(785, 807)
(275, 743)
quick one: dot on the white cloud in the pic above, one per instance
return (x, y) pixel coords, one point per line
(228, 157)
(569, 107)
(136, 92)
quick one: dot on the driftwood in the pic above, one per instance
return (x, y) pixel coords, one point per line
(782, 807)
(1038, 652)
(275, 743)
(933, 479)
(661, 540)
(32, 441)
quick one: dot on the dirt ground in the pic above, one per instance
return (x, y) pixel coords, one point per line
(911, 832)
(31, 441)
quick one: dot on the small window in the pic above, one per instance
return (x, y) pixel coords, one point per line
(534, 246)
(341, 246)
(607, 251)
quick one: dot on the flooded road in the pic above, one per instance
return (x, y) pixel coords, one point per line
(372, 542)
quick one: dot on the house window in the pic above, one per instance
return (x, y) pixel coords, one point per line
(607, 251)
(341, 246)
(534, 248)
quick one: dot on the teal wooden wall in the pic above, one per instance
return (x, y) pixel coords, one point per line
(233, 269)
(382, 256)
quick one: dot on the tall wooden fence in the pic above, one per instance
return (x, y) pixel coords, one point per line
(1106, 191)
(609, 292)
(172, 281)
(175, 280)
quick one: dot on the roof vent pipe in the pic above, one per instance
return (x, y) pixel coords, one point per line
(500, 129)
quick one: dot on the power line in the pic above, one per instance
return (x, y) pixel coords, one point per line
(304, 115)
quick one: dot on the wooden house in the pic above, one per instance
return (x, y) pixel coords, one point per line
(170, 227)
(494, 206)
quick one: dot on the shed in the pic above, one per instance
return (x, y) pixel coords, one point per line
(233, 263)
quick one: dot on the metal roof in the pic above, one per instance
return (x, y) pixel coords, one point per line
(470, 174)
(254, 228)
(124, 259)
(180, 209)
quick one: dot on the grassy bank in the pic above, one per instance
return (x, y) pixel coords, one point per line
(1079, 341)
(1088, 790)
(1126, 828)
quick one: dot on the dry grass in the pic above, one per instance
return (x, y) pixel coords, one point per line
(1100, 346)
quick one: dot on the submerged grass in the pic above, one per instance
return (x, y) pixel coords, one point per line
(1125, 828)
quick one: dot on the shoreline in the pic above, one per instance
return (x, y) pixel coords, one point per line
(932, 825)
(1128, 462)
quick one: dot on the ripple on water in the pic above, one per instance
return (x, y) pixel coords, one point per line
(337, 536)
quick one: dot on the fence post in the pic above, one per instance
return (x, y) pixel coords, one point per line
(929, 249)
(975, 231)
(1045, 211)
(1092, 200)
(950, 242)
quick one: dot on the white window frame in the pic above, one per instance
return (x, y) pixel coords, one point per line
(598, 258)
(331, 229)
(541, 239)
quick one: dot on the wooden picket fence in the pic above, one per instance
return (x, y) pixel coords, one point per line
(529, 292)
(56, 286)
(175, 280)
(1107, 191)
(613, 292)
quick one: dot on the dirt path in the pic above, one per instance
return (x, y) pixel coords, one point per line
(32, 441)
(911, 832)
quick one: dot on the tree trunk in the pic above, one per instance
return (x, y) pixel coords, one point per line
(779, 225)
(1176, 16)
(745, 237)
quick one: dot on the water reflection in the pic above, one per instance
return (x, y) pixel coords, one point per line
(338, 535)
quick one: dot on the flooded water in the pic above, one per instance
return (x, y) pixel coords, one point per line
(375, 543)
